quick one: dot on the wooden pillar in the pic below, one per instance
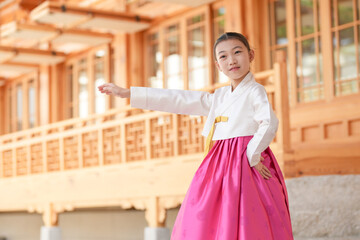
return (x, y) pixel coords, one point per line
(136, 57)
(282, 110)
(2, 108)
(281, 100)
(50, 217)
(251, 30)
(25, 104)
(326, 41)
(62, 99)
(44, 78)
(245, 16)
(155, 213)
(90, 68)
(290, 29)
(263, 51)
(121, 63)
(57, 100)
(234, 17)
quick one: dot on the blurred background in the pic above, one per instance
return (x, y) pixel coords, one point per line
(79, 165)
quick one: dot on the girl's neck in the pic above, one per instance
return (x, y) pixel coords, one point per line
(236, 82)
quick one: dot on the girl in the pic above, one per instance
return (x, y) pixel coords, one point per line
(238, 192)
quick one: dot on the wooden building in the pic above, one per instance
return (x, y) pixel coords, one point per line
(56, 126)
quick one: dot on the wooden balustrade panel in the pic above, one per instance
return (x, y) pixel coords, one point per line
(21, 161)
(52, 155)
(329, 131)
(162, 137)
(190, 139)
(7, 166)
(71, 157)
(36, 159)
(354, 127)
(90, 149)
(135, 141)
(111, 145)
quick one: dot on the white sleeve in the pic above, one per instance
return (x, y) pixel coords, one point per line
(268, 125)
(171, 100)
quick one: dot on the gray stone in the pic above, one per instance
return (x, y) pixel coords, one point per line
(325, 207)
(152, 233)
(50, 233)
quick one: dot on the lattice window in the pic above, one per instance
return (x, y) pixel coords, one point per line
(71, 153)
(36, 158)
(90, 149)
(21, 163)
(112, 149)
(135, 141)
(53, 158)
(190, 138)
(7, 164)
(162, 137)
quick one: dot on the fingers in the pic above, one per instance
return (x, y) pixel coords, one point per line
(261, 158)
(105, 89)
(105, 85)
(265, 172)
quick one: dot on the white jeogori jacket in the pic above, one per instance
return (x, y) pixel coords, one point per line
(247, 108)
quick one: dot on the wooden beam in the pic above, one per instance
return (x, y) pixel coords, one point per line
(21, 64)
(58, 30)
(29, 4)
(32, 51)
(58, 7)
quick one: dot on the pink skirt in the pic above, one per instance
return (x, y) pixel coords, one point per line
(229, 200)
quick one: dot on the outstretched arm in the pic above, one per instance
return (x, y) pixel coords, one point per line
(165, 100)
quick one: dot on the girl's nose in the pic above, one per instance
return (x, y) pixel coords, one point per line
(232, 60)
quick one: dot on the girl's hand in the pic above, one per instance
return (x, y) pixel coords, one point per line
(264, 171)
(112, 89)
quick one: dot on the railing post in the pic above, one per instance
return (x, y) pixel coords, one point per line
(123, 142)
(282, 99)
(61, 154)
(28, 159)
(44, 152)
(147, 139)
(282, 106)
(101, 146)
(80, 150)
(14, 163)
(176, 134)
(1, 163)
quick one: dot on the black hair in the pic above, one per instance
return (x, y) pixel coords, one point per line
(231, 35)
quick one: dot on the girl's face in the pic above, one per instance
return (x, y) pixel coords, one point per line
(233, 58)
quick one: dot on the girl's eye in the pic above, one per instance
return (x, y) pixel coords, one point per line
(237, 52)
(222, 57)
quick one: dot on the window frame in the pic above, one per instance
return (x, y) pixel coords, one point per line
(10, 122)
(160, 28)
(89, 56)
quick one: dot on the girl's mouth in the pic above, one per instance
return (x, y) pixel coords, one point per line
(234, 69)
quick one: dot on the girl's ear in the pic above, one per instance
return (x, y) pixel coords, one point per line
(251, 55)
(218, 66)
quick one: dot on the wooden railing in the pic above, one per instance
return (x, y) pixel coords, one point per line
(120, 136)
